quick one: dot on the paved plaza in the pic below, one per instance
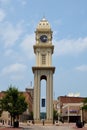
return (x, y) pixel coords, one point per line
(46, 127)
(50, 128)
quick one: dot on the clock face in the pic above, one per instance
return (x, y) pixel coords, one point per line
(43, 38)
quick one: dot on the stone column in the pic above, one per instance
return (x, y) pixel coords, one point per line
(51, 96)
(38, 98)
(47, 97)
(35, 95)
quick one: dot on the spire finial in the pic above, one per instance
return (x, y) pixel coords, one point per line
(44, 18)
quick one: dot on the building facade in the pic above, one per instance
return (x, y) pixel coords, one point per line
(69, 108)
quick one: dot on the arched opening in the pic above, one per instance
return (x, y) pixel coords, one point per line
(43, 98)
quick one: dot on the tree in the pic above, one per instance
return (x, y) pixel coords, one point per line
(85, 104)
(55, 115)
(1, 109)
(14, 102)
(84, 109)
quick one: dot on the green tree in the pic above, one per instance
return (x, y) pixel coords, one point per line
(1, 109)
(84, 109)
(14, 102)
(85, 104)
(55, 115)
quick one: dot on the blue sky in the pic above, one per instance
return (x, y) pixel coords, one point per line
(68, 20)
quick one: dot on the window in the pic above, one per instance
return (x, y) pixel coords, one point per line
(43, 59)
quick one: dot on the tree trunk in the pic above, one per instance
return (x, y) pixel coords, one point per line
(11, 120)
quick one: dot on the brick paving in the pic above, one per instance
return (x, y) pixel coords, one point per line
(83, 128)
(64, 126)
(10, 128)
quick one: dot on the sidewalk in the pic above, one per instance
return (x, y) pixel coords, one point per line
(7, 127)
(10, 128)
(65, 126)
(73, 126)
(83, 128)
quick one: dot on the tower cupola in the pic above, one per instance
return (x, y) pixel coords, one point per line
(43, 25)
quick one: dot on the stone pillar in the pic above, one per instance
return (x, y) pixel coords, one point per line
(36, 96)
(51, 96)
(47, 98)
(38, 104)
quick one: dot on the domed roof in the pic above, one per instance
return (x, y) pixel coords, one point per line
(43, 25)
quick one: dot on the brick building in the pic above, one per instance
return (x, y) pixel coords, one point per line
(5, 118)
(27, 115)
(69, 108)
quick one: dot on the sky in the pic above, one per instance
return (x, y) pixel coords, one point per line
(68, 20)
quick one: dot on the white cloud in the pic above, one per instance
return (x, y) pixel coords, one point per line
(71, 94)
(82, 68)
(23, 2)
(17, 77)
(27, 45)
(9, 52)
(10, 34)
(14, 68)
(70, 46)
(4, 1)
(2, 15)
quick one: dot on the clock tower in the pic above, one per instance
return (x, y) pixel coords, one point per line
(43, 69)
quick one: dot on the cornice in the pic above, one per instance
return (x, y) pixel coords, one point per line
(46, 46)
(49, 68)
